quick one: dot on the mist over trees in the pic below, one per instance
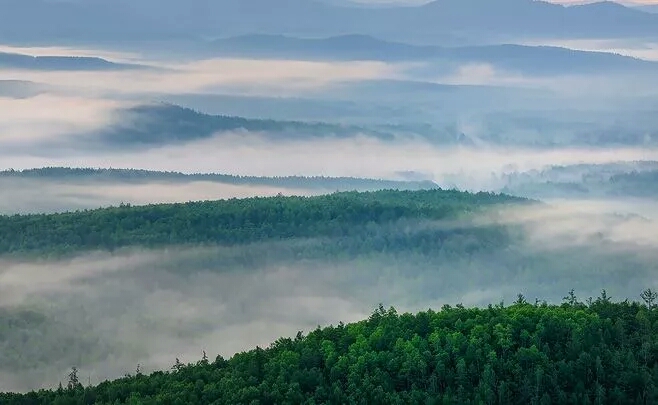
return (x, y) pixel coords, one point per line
(55, 174)
(289, 164)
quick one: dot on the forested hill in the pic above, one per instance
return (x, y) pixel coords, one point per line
(596, 353)
(159, 124)
(137, 176)
(234, 221)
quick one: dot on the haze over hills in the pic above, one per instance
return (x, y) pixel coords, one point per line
(347, 248)
(153, 125)
(136, 175)
(436, 22)
(18, 61)
(585, 181)
(159, 124)
(294, 163)
(68, 189)
(20, 88)
(515, 58)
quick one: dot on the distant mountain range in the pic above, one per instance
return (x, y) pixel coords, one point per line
(20, 61)
(530, 59)
(438, 22)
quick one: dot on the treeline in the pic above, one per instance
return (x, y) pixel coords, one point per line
(136, 175)
(598, 352)
(234, 221)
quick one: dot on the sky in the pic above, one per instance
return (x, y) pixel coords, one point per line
(628, 2)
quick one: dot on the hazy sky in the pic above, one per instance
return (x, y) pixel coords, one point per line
(640, 2)
(629, 2)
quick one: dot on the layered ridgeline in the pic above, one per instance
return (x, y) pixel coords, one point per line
(596, 353)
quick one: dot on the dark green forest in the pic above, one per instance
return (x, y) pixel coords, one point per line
(597, 352)
(235, 221)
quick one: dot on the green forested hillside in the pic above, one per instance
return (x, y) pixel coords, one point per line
(596, 353)
(233, 221)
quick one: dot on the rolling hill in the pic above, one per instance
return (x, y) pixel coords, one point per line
(152, 125)
(158, 124)
(233, 222)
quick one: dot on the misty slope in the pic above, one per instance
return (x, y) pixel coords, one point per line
(154, 125)
(368, 103)
(232, 222)
(159, 124)
(516, 58)
(520, 354)
(632, 180)
(59, 189)
(140, 176)
(439, 21)
(226, 276)
(20, 61)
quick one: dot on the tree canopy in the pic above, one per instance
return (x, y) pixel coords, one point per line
(598, 352)
(234, 221)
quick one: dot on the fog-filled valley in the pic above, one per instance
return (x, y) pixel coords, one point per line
(182, 179)
(97, 309)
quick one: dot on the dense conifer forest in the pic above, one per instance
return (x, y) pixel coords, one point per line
(233, 221)
(597, 352)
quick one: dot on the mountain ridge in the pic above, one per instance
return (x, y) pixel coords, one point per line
(442, 20)
(367, 47)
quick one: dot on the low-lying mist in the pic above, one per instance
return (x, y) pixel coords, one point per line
(465, 167)
(108, 313)
(40, 196)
